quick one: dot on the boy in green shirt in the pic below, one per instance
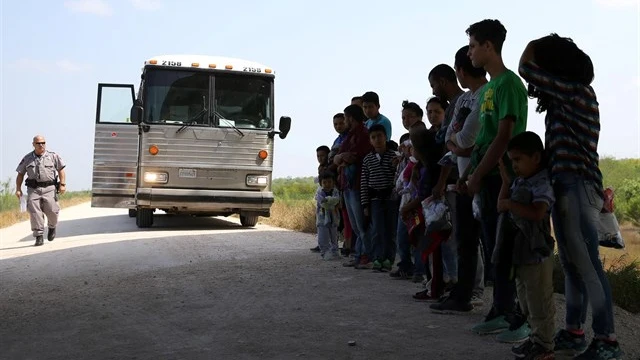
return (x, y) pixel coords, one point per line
(503, 114)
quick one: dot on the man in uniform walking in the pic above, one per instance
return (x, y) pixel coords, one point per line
(41, 167)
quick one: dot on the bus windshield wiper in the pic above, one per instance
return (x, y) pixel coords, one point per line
(192, 120)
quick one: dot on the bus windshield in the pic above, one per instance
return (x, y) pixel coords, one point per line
(176, 97)
(183, 97)
(243, 101)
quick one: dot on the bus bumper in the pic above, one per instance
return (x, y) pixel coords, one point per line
(184, 200)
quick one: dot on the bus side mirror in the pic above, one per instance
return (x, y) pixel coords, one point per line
(136, 112)
(284, 126)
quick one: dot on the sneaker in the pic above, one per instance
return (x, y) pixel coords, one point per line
(496, 325)
(450, 306)
(400, 274)
(364, 263)
(315, 249)
(476, 300)
(535, 351)
(446, 279)
(568, 344)
(330, 256)
(601, 350)
(377, 265)
(522, 350)
(424, 296)
(39, 240)
(514, 336)
(350, 263)
(387, 265)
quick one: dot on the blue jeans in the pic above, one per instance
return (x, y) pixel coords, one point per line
(404, 248)
(392, 248)
(356, 217)
(575, 217)
(382, 229)
(328, 239)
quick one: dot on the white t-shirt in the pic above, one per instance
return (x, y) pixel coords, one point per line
(465, 124)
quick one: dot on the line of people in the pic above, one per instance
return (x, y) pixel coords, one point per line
(468, 199)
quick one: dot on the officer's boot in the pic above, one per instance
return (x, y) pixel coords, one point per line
(51, 234)
(39, 240)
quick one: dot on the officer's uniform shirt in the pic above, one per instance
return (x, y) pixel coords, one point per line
(41, 168)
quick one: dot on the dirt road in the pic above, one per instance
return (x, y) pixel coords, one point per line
(205, 288)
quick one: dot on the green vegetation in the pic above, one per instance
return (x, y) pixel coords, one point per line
(9, 201)
(623, 176)
(288, 189)
(10, 206)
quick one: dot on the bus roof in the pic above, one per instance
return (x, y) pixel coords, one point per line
(208, 62)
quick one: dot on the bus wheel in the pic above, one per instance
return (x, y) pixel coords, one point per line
(132, 212)
(248, 221)
(144, 218)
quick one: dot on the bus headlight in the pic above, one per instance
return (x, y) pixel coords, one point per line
(156, 177)
(257, 180)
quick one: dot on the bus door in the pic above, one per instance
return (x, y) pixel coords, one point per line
(115, 148)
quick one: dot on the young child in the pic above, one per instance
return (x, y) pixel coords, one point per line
(402, 195)
(405, 187)
(371, 107)
(428, 172)
(328, 216)
(376, 186)
(322, 154)
(525, 232)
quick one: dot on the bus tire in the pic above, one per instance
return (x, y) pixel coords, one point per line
(248, 221)
(144, 218)
(132, 212)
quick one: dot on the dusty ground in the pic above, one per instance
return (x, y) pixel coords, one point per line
(208, 289)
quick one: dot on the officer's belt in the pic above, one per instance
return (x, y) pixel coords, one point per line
(36, 184)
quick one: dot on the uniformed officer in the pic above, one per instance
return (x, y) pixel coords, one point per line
(41, 166)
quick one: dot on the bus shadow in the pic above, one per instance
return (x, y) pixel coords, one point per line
(114, 224)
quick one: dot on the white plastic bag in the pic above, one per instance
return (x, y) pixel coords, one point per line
(609, 234)
(476, 207)
(449, 159)
(23, 203)
(436, 216)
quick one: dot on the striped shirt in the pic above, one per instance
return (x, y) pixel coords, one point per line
(572, 124)
(377, 179)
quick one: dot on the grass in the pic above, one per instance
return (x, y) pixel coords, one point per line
(297, 215)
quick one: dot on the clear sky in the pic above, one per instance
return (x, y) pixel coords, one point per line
(55, 52)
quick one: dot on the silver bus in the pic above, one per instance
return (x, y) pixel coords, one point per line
(197, 139)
